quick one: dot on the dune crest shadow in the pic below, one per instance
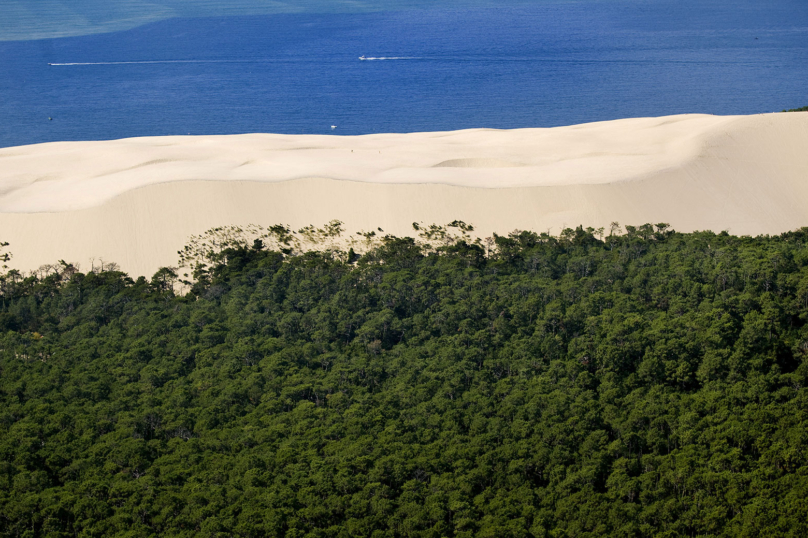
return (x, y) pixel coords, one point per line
(477, 163)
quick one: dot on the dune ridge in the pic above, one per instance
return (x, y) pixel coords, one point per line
(136, 201)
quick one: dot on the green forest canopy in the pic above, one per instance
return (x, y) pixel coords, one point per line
(651, 383)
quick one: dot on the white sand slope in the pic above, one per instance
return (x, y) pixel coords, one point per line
(136, 201)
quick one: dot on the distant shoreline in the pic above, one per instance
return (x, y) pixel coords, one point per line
(90, 17)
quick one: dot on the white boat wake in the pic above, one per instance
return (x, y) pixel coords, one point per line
(281, 60)
(152, 62)
(371, 58)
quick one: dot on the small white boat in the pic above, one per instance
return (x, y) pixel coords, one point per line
(362, 57)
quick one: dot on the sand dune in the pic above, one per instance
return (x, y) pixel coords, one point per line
(136, 201)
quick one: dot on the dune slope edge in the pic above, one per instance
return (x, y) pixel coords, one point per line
(136, 201)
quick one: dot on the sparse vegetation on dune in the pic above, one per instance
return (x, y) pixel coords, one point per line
(646, 383)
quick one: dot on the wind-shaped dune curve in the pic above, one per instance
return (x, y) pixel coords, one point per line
(136, 201)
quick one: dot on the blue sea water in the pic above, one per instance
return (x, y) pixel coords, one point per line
(534, 65)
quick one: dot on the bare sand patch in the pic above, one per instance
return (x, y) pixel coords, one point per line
(136, 201)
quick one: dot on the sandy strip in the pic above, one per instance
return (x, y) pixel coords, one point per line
(136, 201)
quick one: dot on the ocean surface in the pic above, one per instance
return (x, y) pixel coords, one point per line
(536, 65)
